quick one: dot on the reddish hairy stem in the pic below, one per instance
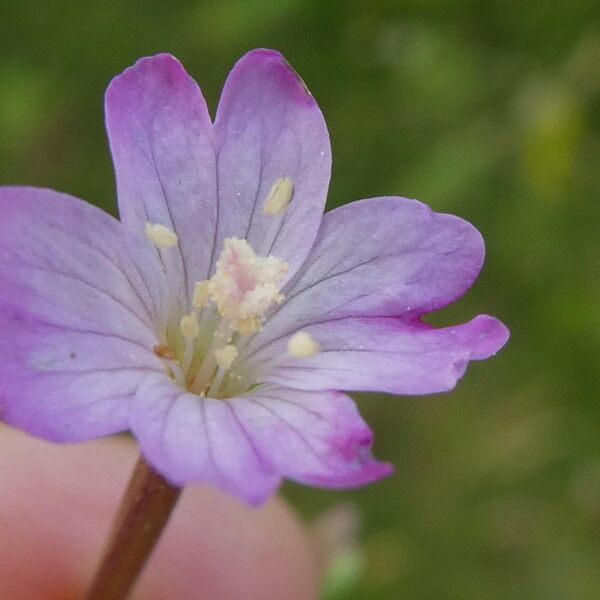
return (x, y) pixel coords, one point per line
(143, 514)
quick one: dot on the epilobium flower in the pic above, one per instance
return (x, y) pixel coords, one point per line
(217, 320)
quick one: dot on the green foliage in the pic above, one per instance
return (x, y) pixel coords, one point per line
(489, 110)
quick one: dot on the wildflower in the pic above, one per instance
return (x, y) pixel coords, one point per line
(218, 318)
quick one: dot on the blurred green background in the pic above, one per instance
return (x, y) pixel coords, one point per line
(489, 110)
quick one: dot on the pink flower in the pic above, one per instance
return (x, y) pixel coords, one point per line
(219, 318)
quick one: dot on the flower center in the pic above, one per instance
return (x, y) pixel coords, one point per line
(228, 307)
(245, 285)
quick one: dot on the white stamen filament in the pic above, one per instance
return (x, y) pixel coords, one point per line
(190, 329)
(213, 391)
(165, 239)
(188, 355)
(177, 372)
(271, 235)
(204, 376)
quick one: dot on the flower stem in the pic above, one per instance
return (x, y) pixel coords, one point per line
(143, 513)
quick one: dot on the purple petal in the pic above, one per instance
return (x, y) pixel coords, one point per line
(311, 437)
(268, 126)
(245, 444)
(192, 439)
(378, 258)
(161, 141)
(79, 300)
(382, 354)
(173, 169)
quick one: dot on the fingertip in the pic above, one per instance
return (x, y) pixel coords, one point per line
(56, 508)
(217, 545)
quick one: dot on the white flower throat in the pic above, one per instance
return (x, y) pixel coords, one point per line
(229, 306)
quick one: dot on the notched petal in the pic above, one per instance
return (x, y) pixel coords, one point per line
(263, 60)
(189, 439)
(162, 144)
(269, 129)
(311, 437)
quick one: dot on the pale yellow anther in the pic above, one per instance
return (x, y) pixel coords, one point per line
(201, 294)
(302, 344)
(247, 326)
(225, 356)
(279, 196)
(189, 326)
(160, 236)
(163, 351)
